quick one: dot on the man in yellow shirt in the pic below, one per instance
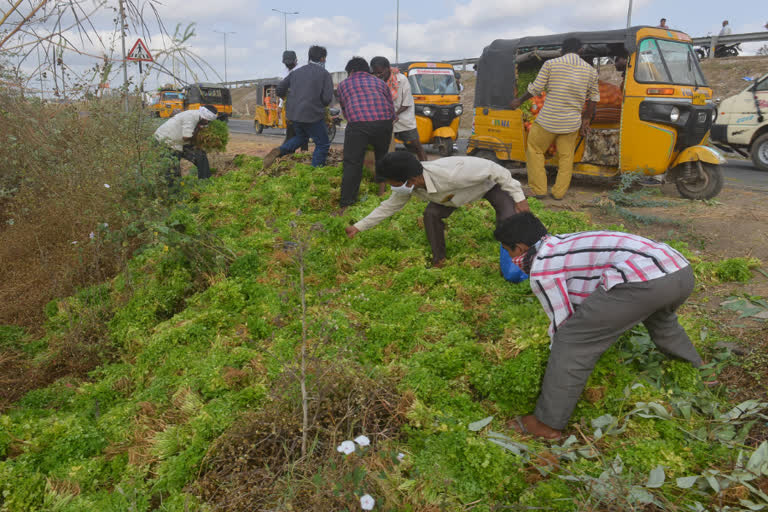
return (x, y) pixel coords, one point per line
(568, 81)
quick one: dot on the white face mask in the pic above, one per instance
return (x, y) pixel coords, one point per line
(402, 189)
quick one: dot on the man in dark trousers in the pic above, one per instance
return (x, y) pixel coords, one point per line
(447, 184)
(290, 61)
(594, 286)
(178, 134)
(309, 90)
(369, 111)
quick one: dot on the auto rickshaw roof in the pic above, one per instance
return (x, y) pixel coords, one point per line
(403, 66)
(496, 73)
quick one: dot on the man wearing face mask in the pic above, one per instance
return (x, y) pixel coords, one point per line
(594, 286)
(446, 183)
(309, 89)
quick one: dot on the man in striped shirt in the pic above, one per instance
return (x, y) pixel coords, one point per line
(568, 81)
(594, 286)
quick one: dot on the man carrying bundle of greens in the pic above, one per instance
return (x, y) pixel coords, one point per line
(446, 183)
(178, 133)
(594, 286)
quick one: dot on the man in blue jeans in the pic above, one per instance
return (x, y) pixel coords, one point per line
(309, 90)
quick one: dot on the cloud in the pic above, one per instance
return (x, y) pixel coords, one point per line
(333, 32)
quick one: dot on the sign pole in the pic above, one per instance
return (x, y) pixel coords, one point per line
(141, 86)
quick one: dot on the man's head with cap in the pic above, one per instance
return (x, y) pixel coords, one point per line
(208, 113)
(290, 59)
(398, 167)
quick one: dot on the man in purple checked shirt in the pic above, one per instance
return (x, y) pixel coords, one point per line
(367, 105)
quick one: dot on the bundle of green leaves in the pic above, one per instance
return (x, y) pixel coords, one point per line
(213, 138)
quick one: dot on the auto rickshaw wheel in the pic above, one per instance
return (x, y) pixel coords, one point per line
(445, 146)
(258, 127)
(698, 180)
(331, 131)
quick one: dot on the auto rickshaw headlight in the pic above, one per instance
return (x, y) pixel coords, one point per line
(427, 111)
(458, 110)
(674, 114)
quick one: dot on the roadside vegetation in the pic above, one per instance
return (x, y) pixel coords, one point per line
(246, 346)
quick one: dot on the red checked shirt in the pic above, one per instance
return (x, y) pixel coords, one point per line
(568, 268)
(365, 98)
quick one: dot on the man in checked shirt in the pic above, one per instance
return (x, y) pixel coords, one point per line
(368, 108)
(594, 286)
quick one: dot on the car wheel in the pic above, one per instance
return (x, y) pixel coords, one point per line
(258, 127)
(759, 152)
(702, 181)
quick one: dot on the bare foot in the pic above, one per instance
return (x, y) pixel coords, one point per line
(532, 426)
(339, 212)
(439, 263)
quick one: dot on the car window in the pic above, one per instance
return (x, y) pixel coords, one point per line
(763, 85)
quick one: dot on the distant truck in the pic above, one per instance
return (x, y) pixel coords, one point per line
(742, 124)
(167, 102)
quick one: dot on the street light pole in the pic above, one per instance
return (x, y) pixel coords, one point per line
(285, 23)
(397, 33)
(225, 54)
(629, 14)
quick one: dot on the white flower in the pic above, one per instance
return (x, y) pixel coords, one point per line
(367, 502)
(363, 441)
(346, 447)
(105, 225)
(74, 243)
(106, 185)
(92, 235)
(400, 456)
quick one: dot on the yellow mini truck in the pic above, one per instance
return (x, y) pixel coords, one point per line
(196, 95)
(658, 125)
(436, 95)
(167, 102)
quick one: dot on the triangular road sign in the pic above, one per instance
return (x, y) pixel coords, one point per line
(139, 52)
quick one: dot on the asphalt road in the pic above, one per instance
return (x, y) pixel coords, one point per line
(738, 173)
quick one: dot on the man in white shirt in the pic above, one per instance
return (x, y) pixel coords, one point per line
(446, 183)
(405, 108)
(178, 134)
(726, 30)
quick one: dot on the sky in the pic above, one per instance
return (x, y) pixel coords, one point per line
(428, 29)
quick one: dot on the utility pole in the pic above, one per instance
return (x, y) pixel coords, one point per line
(629, 14)
(125, 62)
(397, 33)
(225, 54)
(285, 23)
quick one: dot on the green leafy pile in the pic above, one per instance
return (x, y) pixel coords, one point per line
(214, 137)
(208, 343)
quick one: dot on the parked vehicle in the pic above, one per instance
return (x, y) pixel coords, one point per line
(436, 97)
(199, 94)
(268, 112)
(167, 102)
(721, 50)
(657, 126)
(742, 123)
(334, 122)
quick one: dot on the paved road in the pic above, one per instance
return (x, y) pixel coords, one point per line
(738, 173)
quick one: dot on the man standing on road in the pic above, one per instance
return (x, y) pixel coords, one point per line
(290, 61)
(446, 183)
(663, 23)
(309, 90)
(595, 286)
(369, 111)
(178, 134)
(405, 108)
(726, 30)
(568, 81)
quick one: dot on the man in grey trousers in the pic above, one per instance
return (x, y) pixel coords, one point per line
(594, 286)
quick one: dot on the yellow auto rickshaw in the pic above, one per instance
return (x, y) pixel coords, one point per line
(268, 111)
(167, 102)
(199, 94)
(657, 125)
(436, 95)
